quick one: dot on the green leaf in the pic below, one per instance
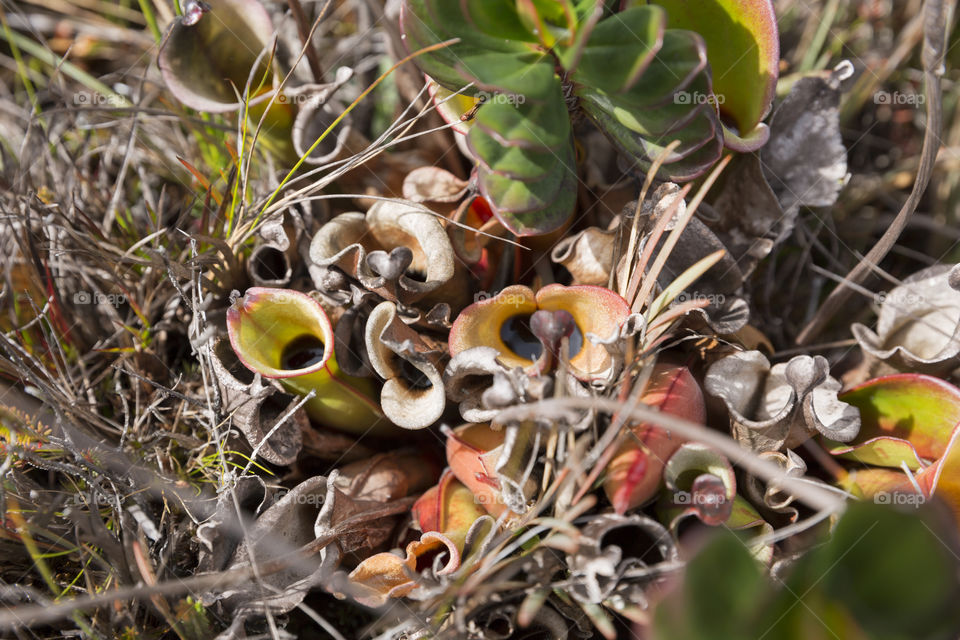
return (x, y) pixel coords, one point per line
(419, 31)
(539, 126)
(517, 196)
(743, 47)
(450, 15)
(654, 122)
(531, 208)
(672, 100)
(721, 591)
(526, 74)
(633, 36)
(428, 22)
(550, 21)
(919, 409)
(517, 163)
(884, 574)
(701, 142)
(679, 63)
(894, 571)
(497, 18)
(882, 452)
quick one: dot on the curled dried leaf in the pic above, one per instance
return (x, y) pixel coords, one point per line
(284, 528)
(220, 534)
(317, 113)
(609, 546)
(781, 406)
(587, 255)
(413, 396)
(433, 184)
(769, 494)
(918, 329)
(395, 250)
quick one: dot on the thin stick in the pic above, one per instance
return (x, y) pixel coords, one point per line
(305, 32)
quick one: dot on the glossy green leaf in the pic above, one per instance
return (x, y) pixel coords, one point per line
(527, 76)
(670, 116)
(701, 142)
(496, 18)
(918, 409)
(548, 20)
(450, 16)
(418, 32)
(678, 64)
(539, 126)
(518, 163)
(671, 101)
(743, 47)
(531, 208)
(882, 452)
(515, 196)
(633, 36)
(428, 22)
